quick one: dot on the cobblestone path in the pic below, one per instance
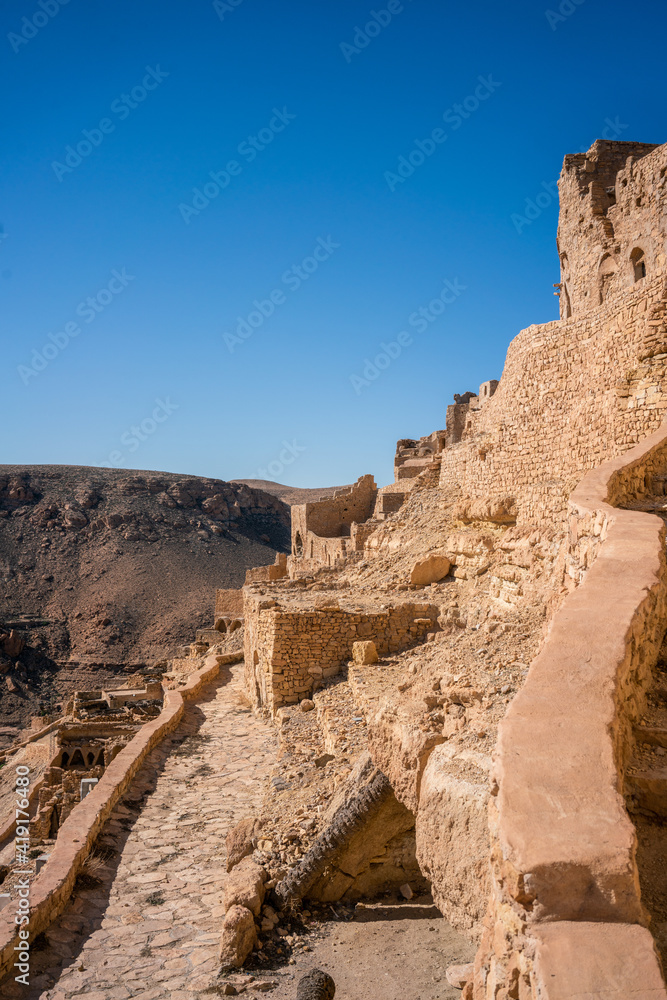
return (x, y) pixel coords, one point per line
(151, 928)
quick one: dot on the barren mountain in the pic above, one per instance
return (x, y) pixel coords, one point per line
(291, 494)
(104, 569)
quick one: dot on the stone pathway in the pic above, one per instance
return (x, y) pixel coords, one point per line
(151, 928)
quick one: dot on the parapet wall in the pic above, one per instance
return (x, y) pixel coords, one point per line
(565, 916)
(572, 393)
(289, 652)
(264, 574)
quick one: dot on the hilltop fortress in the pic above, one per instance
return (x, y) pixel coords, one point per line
(530, 763)
(464, 672)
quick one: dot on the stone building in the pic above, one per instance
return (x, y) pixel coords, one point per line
(611, 232)
(82, 751)
(326, 531)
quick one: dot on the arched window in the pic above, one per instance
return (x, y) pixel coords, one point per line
(64, 760)
(90, 759)
(77, 759)
(298, 544)
(606, 275)
(638, 261)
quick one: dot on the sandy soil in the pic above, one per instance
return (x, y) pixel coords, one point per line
(379, 960)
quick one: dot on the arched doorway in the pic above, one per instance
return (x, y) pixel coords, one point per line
(606, 276)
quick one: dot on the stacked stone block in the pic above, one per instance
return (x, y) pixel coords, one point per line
(289, 651)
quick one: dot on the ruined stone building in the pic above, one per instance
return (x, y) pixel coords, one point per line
(464, 671)
(540, 844)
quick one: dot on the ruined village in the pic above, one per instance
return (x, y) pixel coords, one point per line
(441, 710)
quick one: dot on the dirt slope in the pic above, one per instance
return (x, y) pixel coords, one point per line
(121, 565)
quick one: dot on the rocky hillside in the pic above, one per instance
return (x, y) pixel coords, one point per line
(103, 569)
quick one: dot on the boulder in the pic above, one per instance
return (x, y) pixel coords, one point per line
(241, 841)
(315, 985)
(364, 652)
(12, 643)
(245, 887)
(458, 975)
(307, 705)
(238, 937)
(429, 570)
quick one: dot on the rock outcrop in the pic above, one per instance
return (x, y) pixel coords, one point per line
(103, 568)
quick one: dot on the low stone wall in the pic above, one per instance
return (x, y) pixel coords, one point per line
(51, 890)
(288, 650)
(7, 830)
(565, 916)
(264, 574)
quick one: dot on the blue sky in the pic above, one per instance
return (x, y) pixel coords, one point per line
(206, 236)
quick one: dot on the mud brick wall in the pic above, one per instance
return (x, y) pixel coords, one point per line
(288, 651)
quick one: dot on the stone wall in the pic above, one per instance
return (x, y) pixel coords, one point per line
(572, 393)
(563, 846)
(412, 457)
(576, 391)
(264, 574)
(228, 603)
(325, 532)
(289, 651)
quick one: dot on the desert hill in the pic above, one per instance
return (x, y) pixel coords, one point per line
(102, 569)
(291, 495)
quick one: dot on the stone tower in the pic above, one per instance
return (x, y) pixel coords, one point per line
(612, 229)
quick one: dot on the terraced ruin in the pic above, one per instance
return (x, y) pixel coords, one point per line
(431, 739)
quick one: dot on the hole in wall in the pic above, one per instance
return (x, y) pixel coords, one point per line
(638, 261)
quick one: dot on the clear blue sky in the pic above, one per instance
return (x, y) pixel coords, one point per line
(304, 120)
